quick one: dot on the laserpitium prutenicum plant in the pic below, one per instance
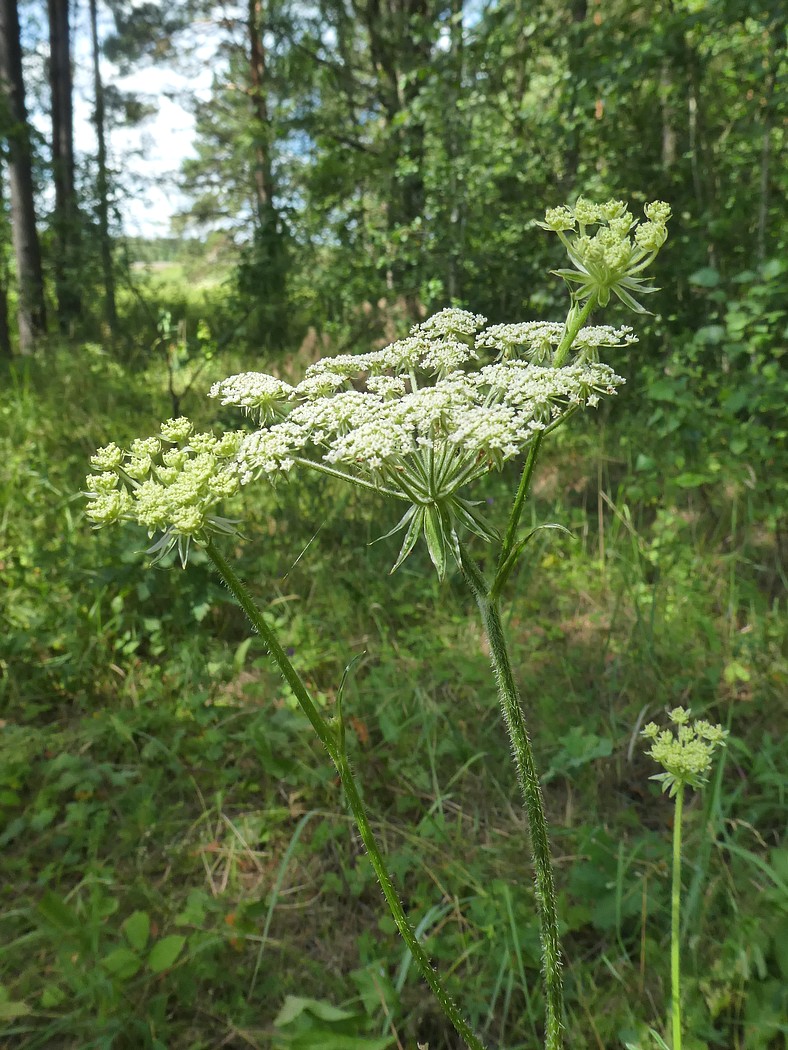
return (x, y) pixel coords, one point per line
(421, 421)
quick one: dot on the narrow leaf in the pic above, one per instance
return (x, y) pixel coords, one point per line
(436, 540)
(403, 521)
(411, 536)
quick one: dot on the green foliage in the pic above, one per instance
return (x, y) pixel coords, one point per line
(154, 786)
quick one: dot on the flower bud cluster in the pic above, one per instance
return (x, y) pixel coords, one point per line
(169, 484)
(685, 752)
(609, 259)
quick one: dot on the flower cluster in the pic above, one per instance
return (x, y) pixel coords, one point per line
(169, 484)
(685, 752)
(420, 419)
(611, 258)
(415, 419)
(537, 341)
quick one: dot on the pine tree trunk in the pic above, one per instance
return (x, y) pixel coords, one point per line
(102, 180)
(66, 221)
(31, 316)
(262, 125)
(5, 332)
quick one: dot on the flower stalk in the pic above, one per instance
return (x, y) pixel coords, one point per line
(685, 753)
(675, 922)
(333, 741)
(531, 791)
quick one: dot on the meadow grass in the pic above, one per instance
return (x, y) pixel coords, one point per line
(179, 871)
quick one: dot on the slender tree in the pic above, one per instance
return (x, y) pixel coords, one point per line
(5, 331)
(102, 178)
(66, 220)
(263, 178)
(31, 314)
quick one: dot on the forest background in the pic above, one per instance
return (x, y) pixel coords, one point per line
(178, 869)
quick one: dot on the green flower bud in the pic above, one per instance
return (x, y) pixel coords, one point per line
(587, 212)
(177, 431)
(556, 219)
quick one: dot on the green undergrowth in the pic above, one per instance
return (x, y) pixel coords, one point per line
(179, 869)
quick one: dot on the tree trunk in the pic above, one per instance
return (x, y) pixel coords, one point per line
(5, 332)
(66, 221)
(578, 13)
(399, 47)
(31, 315)
(269, 260)
(262, 152)
(102, 180)
(454, 153)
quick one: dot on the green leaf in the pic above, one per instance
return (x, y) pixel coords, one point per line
(122, 963)
(663, 390)
(707, 277)
(9, 1010)
(691, 480)
(164, 953)
(137, 929)
(56, 912)
(411, 536)
(295, 1005)
(52, 996)
(121, 729)
(239, 656)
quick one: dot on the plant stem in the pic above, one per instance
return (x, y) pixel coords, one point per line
(289, 673)
(334, 473)
(675, 923)
(532, 797)
(519, 499)
(332, 743)
(407, 932)
(574, 323)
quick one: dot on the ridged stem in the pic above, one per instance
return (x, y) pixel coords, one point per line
(675, 922)
(332, 743)
(532, 797)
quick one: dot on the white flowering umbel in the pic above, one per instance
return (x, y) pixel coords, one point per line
(424, 418)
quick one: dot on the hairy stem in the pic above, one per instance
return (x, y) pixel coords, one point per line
(332, 743)
(407, 932)
(675, 922)
(532, 797)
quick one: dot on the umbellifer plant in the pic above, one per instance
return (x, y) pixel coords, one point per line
(686, 754)
(421, 421)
